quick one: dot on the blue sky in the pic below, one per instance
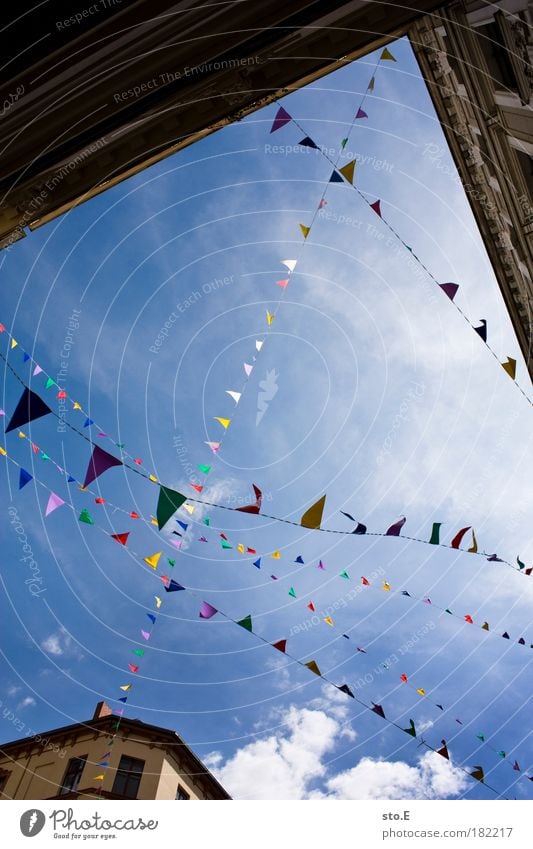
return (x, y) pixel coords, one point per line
(385, 400)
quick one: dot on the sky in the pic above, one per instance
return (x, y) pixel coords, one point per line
(369, 388)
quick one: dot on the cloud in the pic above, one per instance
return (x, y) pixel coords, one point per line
(289, 765)
(433, 778)
(29, 701)
(61, 643)
(280, 767)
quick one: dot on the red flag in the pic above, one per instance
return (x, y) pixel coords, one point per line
(121, 538)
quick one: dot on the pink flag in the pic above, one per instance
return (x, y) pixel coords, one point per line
(207, 610)
(394, 530)
(53, 503)
(248, 369)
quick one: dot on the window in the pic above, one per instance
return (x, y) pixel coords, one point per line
(128, 777)
(73, 774)
(182, 794)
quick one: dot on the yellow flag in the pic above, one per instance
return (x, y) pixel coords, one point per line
(189, 508)
(224, 422)
(313, 666)
(270, 318)
(153, 478)
(386, 54)
(76, 406)
(348, 171)
(328, 620)
(473, 549)
(153, 560)
(158, 601)
(3, 451)
(14, 343)
(240, 548)
(305, 230)
(510, 367)
(276, 555)
(154, 521)
(98, 777)
(125, 687)
(22, 435)
(421, 691)
(386, 586)
(312, 517)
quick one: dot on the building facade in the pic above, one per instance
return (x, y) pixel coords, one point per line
(145, 762)
(477, 59)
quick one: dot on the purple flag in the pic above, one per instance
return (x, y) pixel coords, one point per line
(207, 610)
(394, 530)
(100, 461)
(282, 118)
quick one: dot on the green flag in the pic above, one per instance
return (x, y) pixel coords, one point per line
(85, 517)
(169, 501)
(246, 622)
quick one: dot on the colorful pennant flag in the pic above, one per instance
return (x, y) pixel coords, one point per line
(169, 501)
(510, 367)
(348, 170)
(313, 517)
(449, 289)
(153, 559)
(207, 610)
(100, 461)
(54, 502)
(236, 397)
(256, 507)
(29, 408)
(282, 118)
(394, 530)
(24, 478)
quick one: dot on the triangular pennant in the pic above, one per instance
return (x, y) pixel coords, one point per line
(336, 178)
(311, 606)
(347, 171)
(70, 479)
(282, 118)
(378, 709)
(224, 422)
(139, 652)
(473, 547)
(276, 555)
(121, 538)
(133, 668)
(236, 397)
(283, 283)
(207, 610)
(290, 263)
(444, 750)
(307, 142)
(456, 541)
(258, 344)
(299, 559)
(153, 559)
(345, 575)
(313, 666)
(510, 367)
(450, 289)
(53, 503)
(376, 206)
(145, 634)
(328, 620)
(305, 230)
(85, 517)
(196, 487)
(151, 617)
(344, 142)
(253, 508)
(246, 623)
(257, 563)
(435, 533)
(49, 383)
(313, 517)
(280, 645)
(478, 774)
(411, 730)
(169, 501)
(247, 369)
(386, 54)
(214, 446)
(482, 330)
(321, 566)
(205, 469)
(361, 114)
(292, 593)
(29, 408)
(270, 318)
(100, 461)
(371, 84)
(394, 530)
(24, 478)
(37, 370)
(345, 689)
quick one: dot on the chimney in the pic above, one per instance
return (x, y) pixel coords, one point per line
(102, 709)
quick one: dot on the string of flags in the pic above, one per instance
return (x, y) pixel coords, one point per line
(208, 611)
(31, 407)
(345, 176)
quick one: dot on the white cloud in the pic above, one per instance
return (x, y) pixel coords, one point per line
(433, 778)
(29, 701)
(291, 764)
(280, 767)
(61, 643)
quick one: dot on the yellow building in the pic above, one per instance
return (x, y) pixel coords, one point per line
(143, 762)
